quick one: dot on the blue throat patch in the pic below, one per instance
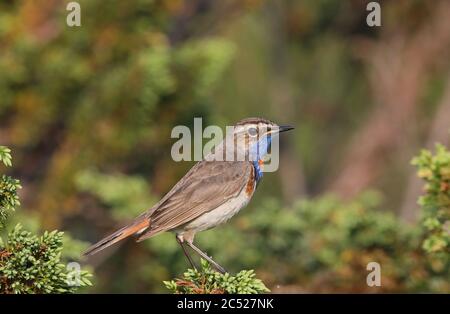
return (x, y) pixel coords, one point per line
(260, 150)
(258, 171)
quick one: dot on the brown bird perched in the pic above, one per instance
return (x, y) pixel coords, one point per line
(210, 193)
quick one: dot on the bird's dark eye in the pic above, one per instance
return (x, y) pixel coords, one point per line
(252, 132)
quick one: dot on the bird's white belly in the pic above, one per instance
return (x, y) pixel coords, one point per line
(219, 215)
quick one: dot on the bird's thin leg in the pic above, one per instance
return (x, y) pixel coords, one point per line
(206, 257)
(181, 243)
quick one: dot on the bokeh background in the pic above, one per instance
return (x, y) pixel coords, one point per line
(88, 113)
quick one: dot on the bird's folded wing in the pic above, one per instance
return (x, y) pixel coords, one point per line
(205, 187)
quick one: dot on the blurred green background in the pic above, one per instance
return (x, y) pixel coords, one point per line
(88, 111)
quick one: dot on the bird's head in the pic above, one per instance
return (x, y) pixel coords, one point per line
(251, 138)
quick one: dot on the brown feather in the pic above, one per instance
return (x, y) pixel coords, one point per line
(121, 234)
(205, 187)
(250, 188)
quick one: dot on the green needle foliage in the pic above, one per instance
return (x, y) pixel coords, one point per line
(435, 170)
(29, 263)
(8, 188)
(5, 156)
(211, 282)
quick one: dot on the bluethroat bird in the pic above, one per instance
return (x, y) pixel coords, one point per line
(212, 191)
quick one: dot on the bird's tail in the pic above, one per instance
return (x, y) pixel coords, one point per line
(136, 227)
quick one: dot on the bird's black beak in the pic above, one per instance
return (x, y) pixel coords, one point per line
(284, 128)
